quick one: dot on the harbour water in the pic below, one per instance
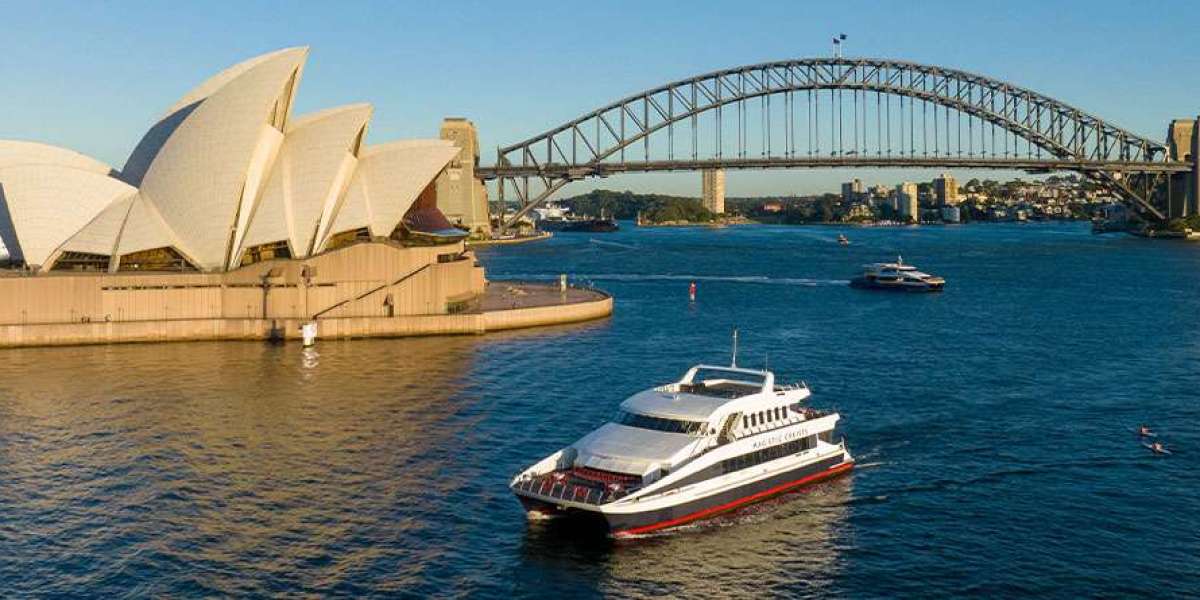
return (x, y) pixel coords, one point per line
(993, 425)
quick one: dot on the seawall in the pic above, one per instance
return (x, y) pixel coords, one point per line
(538, 306)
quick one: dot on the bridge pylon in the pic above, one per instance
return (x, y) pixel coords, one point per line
(1194, 187)
(1183, 144)
(712, 190)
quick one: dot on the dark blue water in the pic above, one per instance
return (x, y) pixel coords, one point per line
(992, 424)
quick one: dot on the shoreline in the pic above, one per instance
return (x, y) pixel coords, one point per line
(541, 235)
(504, 306)
(857, 225)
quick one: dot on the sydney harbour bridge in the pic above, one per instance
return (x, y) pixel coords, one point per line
(850, 112)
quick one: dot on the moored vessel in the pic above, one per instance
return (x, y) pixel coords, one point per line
(717, 439)
(558, 219)
(591, 226)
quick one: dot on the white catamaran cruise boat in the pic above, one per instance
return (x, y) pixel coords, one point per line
(717, 439)
(897, 276)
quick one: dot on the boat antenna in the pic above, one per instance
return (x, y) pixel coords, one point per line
(733, 362)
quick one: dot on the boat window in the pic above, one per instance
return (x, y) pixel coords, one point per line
(758, 457)
(745, 422)
(660, 424)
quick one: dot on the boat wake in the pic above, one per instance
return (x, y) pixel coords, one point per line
(650, 278)
(614, 244)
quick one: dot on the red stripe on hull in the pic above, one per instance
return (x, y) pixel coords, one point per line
(814, 478)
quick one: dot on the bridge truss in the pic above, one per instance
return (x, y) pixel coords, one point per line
(836, 112)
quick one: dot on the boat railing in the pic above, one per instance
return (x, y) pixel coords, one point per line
(791, 387)
(563, 489)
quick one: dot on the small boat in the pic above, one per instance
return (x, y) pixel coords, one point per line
(1158, 448)
(897, 276)
(843, 240)
(717, 439)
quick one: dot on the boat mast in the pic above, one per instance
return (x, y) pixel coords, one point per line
(733, 362)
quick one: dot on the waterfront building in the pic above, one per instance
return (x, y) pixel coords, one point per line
(907, 207)
(461, 196)
(233, 219)
(951, 214)
(852, 191)
(945, 190)
(859, 211)
(712, 190)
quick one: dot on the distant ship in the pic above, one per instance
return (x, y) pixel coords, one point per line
(897, 276)
(843, 240)
(600, 225)
(553, 217)
(717, 439)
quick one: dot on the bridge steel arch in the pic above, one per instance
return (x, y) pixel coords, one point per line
(599, 143)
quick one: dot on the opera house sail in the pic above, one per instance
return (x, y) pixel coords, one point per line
(232, 215)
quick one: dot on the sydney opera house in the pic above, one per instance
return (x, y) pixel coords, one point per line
(234, 218)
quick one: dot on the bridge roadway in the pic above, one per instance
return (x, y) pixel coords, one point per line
(604, 169)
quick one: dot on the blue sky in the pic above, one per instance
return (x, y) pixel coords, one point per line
(92, 76)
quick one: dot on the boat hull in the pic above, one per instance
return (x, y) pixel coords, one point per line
(579, 225)
(591, 226)
(621, 523)
(869, 284)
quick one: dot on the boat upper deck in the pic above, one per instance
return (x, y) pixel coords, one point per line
(889, 267)
(703, 390)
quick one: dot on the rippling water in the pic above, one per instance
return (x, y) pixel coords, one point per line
(992, 424)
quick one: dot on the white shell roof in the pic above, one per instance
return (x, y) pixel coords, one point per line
(388, 180)
(223, 169)
(151, 144)
(131, 224)
(101, 234)
(201, 176)
(145, 229)
(47, 204)
(18, 152)
(309, 177)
